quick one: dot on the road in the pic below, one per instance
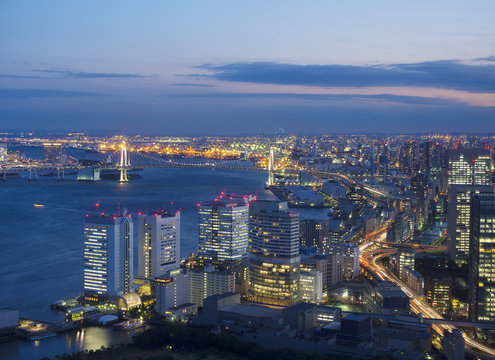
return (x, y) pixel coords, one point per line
(369, 260)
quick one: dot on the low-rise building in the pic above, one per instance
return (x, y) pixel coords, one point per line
(172, 290)
(383, 297)
(209, 281)
(311, 287)
(453, 345)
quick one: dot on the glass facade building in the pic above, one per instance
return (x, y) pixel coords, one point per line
(482, 259)
(470, 171)
(223, 229)
(274, 262)
(108, 256)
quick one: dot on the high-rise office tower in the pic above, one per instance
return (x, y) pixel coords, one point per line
(158, 243)
(223, 229)
(424, 163)
(482, 258)
(313, 232)
(274, 262)
(459, 219)
(404, 258)
(108, 257)
(468, 169)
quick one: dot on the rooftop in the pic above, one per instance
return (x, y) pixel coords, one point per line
(253, 310)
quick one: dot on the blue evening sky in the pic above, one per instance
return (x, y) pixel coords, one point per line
(233, 67)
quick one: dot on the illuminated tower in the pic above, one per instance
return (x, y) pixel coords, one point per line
(482, 259)
(124, 163)
(270, 169)
(223, 229)
(470, 167)
(274, 262)
(158, 243)
(108, 257)
(469, 172)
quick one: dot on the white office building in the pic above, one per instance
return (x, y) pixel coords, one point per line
(158, 243)
(172, 290)
(311, 286)
(108, 257)
(350, 258)
(223, 229)
(209, 281)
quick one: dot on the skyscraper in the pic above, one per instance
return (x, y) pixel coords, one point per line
(158, 243)
(223, 229)
(108, 257)
(482, 258)
(424, 163)
(468, 169)
(459, 218)
(274, 262)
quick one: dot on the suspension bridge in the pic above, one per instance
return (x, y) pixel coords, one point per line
(141, 160)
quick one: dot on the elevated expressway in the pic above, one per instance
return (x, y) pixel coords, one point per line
(369, 260)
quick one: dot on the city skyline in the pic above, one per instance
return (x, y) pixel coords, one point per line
(226, 69)
(256, 180)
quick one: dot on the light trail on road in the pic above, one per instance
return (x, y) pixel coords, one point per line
(369, 260)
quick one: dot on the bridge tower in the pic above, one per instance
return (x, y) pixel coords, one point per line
(123, 164)
(270, 181)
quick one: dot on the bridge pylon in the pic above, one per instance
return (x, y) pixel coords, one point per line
(270, 166)
(123, 164)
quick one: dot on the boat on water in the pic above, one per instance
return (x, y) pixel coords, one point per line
(129, 325)
(38, 205)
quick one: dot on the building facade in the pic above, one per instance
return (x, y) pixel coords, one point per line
(311, 286)
(158, 243)
(459, 219)
(108, 257)
(223, 229)
(209, 281)
(313, 232)
(172, 290)
(482, 259)
(350, 258)
(274, 262)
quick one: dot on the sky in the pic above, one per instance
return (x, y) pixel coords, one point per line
(248, 67)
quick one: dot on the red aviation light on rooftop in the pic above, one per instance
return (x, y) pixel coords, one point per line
(114, 217)
(140, 213)
(198, 204)
(87, 215)
(102, 214)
